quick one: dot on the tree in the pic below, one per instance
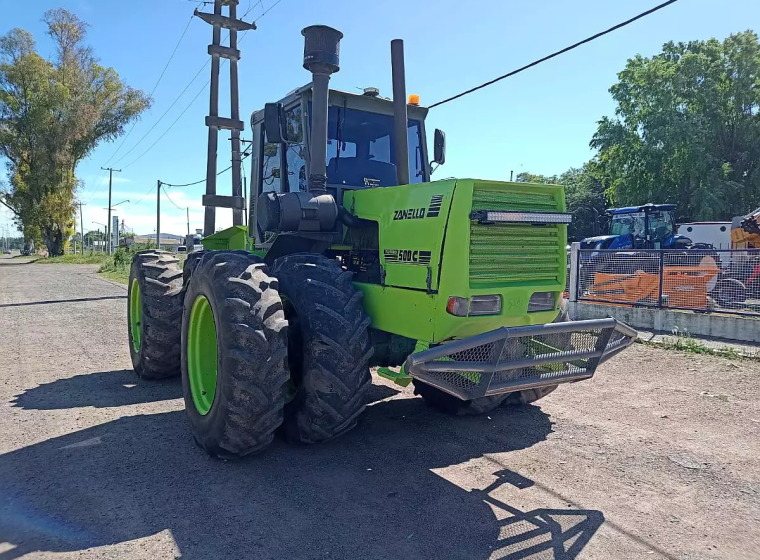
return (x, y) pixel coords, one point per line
(687, 129)
(585, 194)
(52, 115)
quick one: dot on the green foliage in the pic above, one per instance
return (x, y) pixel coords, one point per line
(693, 346)
(687, 129)
(79, 258)
(585, 193)
(53, 113)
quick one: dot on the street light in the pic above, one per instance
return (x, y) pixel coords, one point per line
(108, 227)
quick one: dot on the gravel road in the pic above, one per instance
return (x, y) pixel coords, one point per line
(657, 457)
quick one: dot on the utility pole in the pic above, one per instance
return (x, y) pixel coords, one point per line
(81, 223)
(188, 220)
(110, 184)
(214, 122)
(158, 215)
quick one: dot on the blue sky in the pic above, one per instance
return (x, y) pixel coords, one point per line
(539, 121)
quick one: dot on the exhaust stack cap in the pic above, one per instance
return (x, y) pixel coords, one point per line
(321, 47)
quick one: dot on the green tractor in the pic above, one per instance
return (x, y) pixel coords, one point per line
(354, 259)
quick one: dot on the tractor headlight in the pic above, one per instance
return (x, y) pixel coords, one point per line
(542, 301)
(476, 305)
(504, 217)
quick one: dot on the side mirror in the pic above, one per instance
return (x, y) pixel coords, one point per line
(274, 123)
(439, 147)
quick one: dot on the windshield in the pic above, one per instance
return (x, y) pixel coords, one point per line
(660, 224)
(628, 224)
(361, 149)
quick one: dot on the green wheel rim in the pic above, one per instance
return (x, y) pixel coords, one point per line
(202, 355)
(135, 315)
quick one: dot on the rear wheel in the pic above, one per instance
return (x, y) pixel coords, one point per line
(234, 354)
(329, 347)
(154, 314)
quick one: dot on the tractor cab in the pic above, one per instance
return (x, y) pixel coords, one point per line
(650, 226)
(361, 145)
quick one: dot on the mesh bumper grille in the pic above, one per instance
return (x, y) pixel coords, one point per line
(507, 360)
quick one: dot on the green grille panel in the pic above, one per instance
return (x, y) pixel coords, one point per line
(504, 200)
(514, 253)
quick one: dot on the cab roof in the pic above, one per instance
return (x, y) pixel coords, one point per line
(378, 104)
(644, 208)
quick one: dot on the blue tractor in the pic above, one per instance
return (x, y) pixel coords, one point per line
(634, 232)
(651, 226)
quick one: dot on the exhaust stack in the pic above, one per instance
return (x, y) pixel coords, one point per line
(400, 118)
(321, 57)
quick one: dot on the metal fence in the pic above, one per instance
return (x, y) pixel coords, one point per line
(725, 281)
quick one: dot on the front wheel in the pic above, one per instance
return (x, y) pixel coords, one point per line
(234, 354)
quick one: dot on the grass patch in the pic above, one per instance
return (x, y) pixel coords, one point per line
(79, 258)
(116, 267)
(693, 346)
(121, 276)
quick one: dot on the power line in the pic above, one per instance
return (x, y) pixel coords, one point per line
(266, 11)
(144, 136)
(170, 198)
(166, 66)
(143, 196)
(557, 53)
(170, 126)
(98, 187)
(184, 90)
(204, 179)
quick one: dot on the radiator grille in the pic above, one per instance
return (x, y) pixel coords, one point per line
(514, 253)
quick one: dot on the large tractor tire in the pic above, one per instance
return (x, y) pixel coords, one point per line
(154, 314)
(234, 354)
(329, 347)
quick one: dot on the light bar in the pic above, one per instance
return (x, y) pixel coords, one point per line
(507, 217)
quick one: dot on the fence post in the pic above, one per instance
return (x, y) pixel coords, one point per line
(574, 270)
(662, 274)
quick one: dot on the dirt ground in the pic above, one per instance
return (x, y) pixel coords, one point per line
(656, 457)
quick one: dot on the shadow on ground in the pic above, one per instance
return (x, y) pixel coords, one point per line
(102, 389)
(370, 494)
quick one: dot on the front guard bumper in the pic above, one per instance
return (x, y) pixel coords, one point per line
(517, 358)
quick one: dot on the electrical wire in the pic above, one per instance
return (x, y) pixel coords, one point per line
(168, 129)
(150, 95)
(266, 11)
(557, 53)
(170, 199)
(225, 170)
(143, 196)
(182, 93)
(100, 184)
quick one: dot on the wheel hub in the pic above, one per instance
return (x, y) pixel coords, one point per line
(135, 314)
(202, 355)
